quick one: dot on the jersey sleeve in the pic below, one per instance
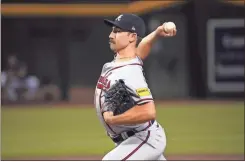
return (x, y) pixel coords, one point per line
(135, 79)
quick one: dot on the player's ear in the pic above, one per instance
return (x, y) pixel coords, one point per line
(132, 37)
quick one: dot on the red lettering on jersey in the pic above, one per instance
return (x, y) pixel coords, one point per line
(103, 82)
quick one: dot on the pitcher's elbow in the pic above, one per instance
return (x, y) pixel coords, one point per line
(152, 115)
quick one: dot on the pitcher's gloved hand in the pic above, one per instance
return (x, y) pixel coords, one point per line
(119, 98)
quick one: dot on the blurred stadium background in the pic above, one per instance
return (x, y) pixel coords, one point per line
(52, 53)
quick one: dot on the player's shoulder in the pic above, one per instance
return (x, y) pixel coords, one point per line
(135, 63)
(131, 71)
(131, 68)
(128, 67)
(139, 60)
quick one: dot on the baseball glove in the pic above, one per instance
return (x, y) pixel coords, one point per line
(119, 98)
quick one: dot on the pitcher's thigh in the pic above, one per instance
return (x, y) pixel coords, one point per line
(133, 149)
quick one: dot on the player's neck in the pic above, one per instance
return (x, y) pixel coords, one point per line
(126, 54)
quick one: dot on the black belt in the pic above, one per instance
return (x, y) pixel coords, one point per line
(119, 137)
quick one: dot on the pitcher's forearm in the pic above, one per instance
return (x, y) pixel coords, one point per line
(135, 115)
(144, 47)
(168, 29)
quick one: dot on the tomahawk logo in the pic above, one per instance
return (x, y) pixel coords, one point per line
(119, 18)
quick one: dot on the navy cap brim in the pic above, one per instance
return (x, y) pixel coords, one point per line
(111, 23)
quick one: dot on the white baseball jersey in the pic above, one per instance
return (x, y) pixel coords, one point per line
(132, 73)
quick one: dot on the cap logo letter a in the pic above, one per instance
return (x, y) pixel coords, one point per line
(119, 18)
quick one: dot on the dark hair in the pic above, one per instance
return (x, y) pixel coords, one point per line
(139, 39)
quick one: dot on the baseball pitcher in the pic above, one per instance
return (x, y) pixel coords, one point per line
(123, 100)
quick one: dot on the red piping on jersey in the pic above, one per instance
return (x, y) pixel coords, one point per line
(101, 89)
(137, 148)
(110, 74)
(149, 124)
(102, 114)
(144, 100)
(123, 66)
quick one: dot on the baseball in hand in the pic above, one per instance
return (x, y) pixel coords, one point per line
(169, 27)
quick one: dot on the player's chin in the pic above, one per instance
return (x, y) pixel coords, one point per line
(112, 47)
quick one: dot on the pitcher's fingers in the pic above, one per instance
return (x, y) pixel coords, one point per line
(174, 32)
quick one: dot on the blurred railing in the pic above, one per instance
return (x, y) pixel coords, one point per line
(66, 44)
